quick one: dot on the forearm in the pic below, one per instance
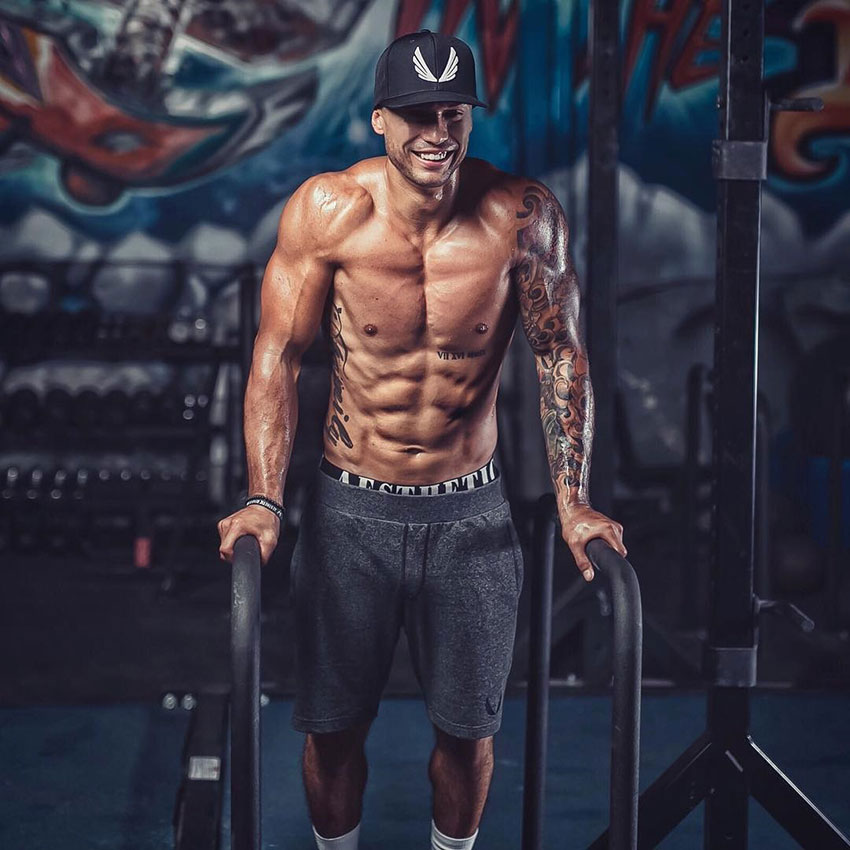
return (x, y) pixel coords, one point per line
(270, 420)
(566, 412)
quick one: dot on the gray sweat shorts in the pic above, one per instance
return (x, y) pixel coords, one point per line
(447, 568)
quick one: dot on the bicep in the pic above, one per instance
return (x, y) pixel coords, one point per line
(294, 290)
(545, 279)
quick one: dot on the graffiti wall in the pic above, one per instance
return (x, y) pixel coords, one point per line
(161, 129)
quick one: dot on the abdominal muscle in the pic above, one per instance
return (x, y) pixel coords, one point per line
(409, 425)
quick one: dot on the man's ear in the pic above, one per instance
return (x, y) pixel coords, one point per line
(378, 122)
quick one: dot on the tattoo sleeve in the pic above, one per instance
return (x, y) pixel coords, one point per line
(548, 296)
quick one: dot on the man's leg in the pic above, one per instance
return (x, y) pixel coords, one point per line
(460, 771)
(334, 770)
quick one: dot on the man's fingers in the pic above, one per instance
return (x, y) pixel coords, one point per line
(581, 559)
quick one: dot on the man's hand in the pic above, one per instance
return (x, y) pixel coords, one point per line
(255, 520)
(580, 524)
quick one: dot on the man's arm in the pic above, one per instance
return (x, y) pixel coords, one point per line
(295, 286)
(548, 295)
(294, 289)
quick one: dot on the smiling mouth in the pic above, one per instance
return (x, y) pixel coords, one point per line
(442, 156)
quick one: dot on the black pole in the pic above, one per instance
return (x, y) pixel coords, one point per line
(245, 697)
(740, 165)
(603, 155)
(540, 646)
(762, 541)
(625, 719)
(835, 552)
(247, 331)
(247, 319)
(692, 609)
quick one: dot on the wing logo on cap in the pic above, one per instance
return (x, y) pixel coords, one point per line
(425, 73)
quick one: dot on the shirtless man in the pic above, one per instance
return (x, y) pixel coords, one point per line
(417, 263)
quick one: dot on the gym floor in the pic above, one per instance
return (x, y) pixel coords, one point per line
(85, 777)
(89, 757)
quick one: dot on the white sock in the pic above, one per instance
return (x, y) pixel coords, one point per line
(341, 842)
(443, 842)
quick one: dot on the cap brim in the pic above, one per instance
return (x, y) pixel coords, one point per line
(436, 96)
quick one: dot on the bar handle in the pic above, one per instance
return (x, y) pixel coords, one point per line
(245, 696)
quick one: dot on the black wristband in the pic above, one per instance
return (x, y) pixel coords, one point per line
(267, 503)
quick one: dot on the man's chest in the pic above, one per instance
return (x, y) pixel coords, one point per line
(452, 293)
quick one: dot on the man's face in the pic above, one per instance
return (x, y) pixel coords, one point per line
(425, 143)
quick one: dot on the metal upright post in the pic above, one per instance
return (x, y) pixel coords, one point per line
(537, 704)
(245, 796)
(724, 766)
(603, 154)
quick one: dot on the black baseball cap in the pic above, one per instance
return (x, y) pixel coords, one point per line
(425, 67)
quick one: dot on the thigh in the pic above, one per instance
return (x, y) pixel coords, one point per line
(461, 625)
(346, 593)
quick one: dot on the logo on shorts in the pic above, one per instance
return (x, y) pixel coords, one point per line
(494, 703)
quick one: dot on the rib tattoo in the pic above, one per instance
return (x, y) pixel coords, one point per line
(548, 298)
(335, 427)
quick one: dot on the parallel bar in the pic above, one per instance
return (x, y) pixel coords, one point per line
(603, 154)
(197, 814)
(537, 704)
(671, 797)
(245, 696)
(625, 723)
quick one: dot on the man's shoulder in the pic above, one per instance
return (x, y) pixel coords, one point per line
(512, 197)
(330, 204)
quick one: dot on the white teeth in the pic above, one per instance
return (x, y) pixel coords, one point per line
(434, 157)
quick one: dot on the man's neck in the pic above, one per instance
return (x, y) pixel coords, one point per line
(422, 210)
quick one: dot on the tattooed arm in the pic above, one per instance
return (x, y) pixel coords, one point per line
(548, 295)
(295, 286)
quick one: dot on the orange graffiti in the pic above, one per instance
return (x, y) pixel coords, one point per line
(793, 132)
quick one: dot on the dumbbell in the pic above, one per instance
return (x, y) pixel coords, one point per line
(115, 409)
(86, 409)
(84, 329)
(11, 478)
(58, 408)
(143, 407)
(57, 533)
(23, 410)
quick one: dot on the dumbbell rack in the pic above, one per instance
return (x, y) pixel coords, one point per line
(73, 498)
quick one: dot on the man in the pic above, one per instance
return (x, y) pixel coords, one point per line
(418, 263)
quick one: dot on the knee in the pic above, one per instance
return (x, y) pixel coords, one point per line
(333, 749)
(475, 752)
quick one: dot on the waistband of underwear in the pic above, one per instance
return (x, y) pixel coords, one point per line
(485, 475)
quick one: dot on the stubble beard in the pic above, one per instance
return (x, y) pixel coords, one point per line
(421, 179)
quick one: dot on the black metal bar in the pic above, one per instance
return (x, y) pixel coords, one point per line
(732, 625)
(625, 725)
(247, 319)
(835, 489)
(197, 813)
(625, 722)
(603, 155)
(247, 332)
(791, 808)
(762, 541)
(671, 797)
(540, 644)
(245, 696)
(692, 610)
